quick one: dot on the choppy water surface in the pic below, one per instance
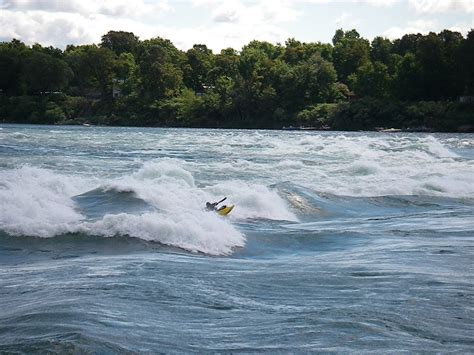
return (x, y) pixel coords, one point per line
(343, 242)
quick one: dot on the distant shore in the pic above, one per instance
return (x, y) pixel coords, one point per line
(414, 83)
(367, 114)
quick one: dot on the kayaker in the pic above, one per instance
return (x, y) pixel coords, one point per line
(213, 206)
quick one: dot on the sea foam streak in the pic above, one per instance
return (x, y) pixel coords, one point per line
(39, 202)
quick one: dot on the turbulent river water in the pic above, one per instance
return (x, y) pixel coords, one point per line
(345, 242)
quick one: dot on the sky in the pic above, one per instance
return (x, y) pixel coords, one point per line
(221, 24)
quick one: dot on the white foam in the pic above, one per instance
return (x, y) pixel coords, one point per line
(19, 135)
(373, 165)
(363, 168)
(253, 201)
(294, 164)
(437, 149)
(37, 202)
(197, 232)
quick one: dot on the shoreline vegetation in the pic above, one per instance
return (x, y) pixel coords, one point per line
(415, 83)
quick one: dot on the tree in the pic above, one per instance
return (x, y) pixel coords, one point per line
(451, 46)
(226, 64)
(434, 71)
(120, 42)
(406, 81)
(10, 64)
(43, 73)
(466, 66)
(338, 36)
(199, 62)
(254, 94)
(126, 69)
(53, 52)
(310, 82)
(350, 52)
(407, 44)
(294, 51)
(371, 80)
(270, 50)
(381, 50)
(93, 68)
(159, 71)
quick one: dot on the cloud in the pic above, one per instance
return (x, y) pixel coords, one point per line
(43, 27)
(231, 23)
(376, 3)
(433, 6)
(463, 28)
(380, 3)
(347, 20)
(184, 38)
(60, 22)
(118, 8)
(419, 26)
(62, 28)
(258, 12)
(424, 27)
(238, 22)
(59, 26)
(230, 11)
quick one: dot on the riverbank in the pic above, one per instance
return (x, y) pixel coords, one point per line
(367, 114)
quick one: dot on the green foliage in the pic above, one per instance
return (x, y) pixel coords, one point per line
(405, 86)
(365, 114)
(120, 42)
(93, 69)
(439, 115)
(159, 73)
(349, 84)
(311, 81)
(53, 113)
(466, 60)
(199, 62)
(381, 50)
(350, 52)
(10, 64)
(371, 80)
(317, 116)
(44, 73)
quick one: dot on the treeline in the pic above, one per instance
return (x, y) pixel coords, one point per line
(416, 81)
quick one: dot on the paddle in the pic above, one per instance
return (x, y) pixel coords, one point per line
(216, 203)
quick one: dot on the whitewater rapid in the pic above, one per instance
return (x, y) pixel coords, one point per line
(338, 242)
(39, 202)
(48, 170)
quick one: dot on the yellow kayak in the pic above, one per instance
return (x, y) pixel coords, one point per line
(225, 210)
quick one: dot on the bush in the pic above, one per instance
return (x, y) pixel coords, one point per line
(316, 116)
(24, 109)
(439, 115)
(365, 114)
(53, 113)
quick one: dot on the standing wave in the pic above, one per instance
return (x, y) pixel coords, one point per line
(160, 202)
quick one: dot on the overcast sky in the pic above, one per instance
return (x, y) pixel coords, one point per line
(221, 24)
